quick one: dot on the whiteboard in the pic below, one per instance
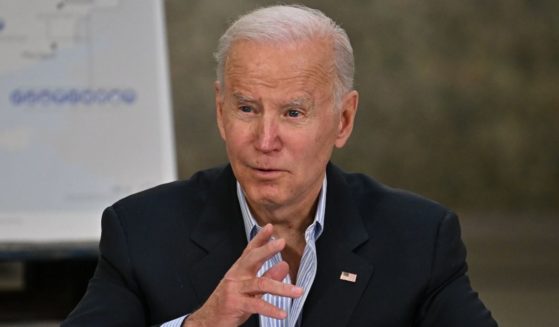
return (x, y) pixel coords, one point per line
(85, 113)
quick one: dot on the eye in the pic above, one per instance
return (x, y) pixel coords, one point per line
(247, 109)
(293, 113)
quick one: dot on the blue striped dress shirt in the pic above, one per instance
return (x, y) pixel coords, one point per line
(307, 266)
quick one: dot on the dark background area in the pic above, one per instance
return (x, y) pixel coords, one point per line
(459, 102)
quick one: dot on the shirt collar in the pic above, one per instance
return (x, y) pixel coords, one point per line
(252, 228)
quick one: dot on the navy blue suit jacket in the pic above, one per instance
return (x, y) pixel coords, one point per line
(164, 250)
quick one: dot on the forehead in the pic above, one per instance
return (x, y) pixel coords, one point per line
(307, 64)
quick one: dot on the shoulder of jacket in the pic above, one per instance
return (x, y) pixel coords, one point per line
(373, 196)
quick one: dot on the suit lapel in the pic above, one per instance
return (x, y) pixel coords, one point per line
(220, 233)
(332, 300)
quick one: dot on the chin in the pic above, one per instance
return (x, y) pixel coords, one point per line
(261, 196)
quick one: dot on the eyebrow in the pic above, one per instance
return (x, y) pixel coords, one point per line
(295, 102)
(242, 98)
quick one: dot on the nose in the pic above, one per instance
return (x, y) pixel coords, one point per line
(267, 135)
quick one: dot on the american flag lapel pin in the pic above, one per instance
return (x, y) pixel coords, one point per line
(348, 277)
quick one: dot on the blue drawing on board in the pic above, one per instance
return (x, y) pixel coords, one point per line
(2, 24)
(60, 97)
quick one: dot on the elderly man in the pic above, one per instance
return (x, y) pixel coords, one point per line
(281, 237)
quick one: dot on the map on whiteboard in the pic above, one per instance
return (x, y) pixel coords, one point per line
(85, 114)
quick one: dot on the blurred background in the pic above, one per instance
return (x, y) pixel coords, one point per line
(459, 102)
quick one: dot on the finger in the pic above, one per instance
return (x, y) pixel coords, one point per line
(261, 238)
(262, 285)
(251, 261)
(259, 306)
(277, 272)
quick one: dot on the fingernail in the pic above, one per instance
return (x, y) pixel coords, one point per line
(297, 289)
(274, 244)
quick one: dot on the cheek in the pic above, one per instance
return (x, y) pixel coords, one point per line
(237, 137)
(313, 146)
(323, 142)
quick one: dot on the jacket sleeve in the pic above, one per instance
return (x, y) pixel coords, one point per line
(450, 299)
(113, 297)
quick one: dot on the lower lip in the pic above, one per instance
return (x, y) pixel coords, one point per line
(267, 174)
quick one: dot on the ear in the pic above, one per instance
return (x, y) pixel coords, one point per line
(219, 108)
(347, 118)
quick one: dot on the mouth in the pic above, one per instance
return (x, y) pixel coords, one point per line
(267, 173)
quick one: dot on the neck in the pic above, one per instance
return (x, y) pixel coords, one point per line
(290, 223)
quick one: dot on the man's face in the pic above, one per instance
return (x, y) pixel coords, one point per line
(277, 116)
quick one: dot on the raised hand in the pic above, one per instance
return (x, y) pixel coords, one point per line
(239, 293)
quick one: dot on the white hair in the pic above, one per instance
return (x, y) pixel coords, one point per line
(291, 23)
